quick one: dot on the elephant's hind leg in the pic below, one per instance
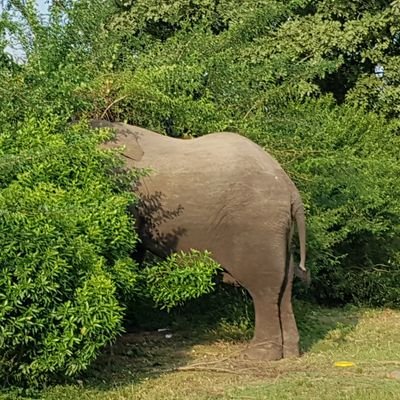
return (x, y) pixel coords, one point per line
(263, 276)
(267, 341)
(290, 333)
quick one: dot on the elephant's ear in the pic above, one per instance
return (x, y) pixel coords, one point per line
(123, 138)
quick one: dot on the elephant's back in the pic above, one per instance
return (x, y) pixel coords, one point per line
(221, 153)
(217, 153)
(215, 168)
(202, 189)
(238, 149)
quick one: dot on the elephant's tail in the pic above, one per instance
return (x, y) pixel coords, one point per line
(298, 214)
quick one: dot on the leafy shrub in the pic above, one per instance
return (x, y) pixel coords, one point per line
(180, 277)
(346, 163)
(65, 239)
(65, 233)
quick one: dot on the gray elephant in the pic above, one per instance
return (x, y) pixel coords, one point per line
(223, 193)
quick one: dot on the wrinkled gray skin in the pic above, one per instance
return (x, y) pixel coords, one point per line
(225, 194)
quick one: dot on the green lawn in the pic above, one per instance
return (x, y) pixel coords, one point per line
(146, 365)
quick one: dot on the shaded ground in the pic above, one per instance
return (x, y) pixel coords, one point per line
(206, 335)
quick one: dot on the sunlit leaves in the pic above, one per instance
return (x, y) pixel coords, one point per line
(181, 277)
(65, 237)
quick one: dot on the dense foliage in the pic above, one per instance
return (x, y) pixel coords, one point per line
(298, 77)
(65, 232)
(65, 242)
(170, 282)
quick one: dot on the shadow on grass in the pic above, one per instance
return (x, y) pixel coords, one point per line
(316, 323)
(157, 342)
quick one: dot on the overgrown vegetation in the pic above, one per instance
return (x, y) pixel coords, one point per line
(65, 243)
(171, 283)
(298, 77)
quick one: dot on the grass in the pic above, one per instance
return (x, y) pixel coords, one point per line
(147, 365)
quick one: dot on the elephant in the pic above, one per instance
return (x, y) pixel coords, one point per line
(222, 193)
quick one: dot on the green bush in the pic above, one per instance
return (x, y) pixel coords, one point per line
(346, 163)
(65, 231)
(180, 277)
(65, 239)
